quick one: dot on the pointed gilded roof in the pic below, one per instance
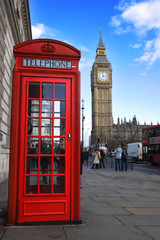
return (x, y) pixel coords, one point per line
(101, 52)
(100, 45)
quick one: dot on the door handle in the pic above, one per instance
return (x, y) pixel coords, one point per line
(69, 137)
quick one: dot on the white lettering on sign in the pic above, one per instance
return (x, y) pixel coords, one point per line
(46, 63)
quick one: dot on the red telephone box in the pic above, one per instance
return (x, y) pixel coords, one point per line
(44, 180)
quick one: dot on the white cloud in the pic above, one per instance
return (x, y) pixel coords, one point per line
(122, 30)
(85, 63)
(148, 45)
(137, 45)
(144, 16)
(144, 58)
(38, 30)
(42, 31)
(116, 21)
(83, 48)
(152, 51)
(141, 17)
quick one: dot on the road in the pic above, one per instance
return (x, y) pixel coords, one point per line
(140, 167)
(148, 168)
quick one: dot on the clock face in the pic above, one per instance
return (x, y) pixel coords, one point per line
(103, 76)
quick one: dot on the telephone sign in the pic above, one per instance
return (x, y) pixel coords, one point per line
(46, 63)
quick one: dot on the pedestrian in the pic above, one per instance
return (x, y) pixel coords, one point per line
(118, 156)
(124, 157)
(102, 159)
(96, 159)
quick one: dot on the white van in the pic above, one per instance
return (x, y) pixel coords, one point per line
(135, 150)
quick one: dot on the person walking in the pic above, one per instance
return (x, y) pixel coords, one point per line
(118, 156)
(102, 159)
(96, 159)
(124, 157)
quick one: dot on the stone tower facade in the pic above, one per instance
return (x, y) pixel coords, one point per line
(101, 87)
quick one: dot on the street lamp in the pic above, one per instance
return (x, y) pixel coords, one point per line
(83, 118)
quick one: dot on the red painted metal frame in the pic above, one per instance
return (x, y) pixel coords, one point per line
(33, 50)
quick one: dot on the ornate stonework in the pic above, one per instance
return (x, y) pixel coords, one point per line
(15, 27)
(101, 87)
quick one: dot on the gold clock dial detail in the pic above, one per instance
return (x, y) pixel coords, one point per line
(103, 76)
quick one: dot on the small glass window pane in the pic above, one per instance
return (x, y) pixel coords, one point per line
(47, 90)
(59, 165)
(33, 108)
(46, 145)
(59, 127)
(46, 109)
(59, 108)
(31, 184)
(59, 184)
(45, 184)
(60, 91)
(34, 90)
(46, 127)
(46, 165)
(33, 126)
(32, 165)
(32, 145)
(59, 145)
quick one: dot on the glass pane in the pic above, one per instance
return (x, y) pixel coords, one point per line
(45, 184)
(46, 109)
(59, 127)
(59, 145)
(33, 126)
(59, 108)
(59, 184)
(59, 165)
(34, 90)
(46, 165)
(60, 91)
(46, 145)
(47, 90)
(46, 127)
(31, 184)
(32, 145)
(33, 108)
(32, 165)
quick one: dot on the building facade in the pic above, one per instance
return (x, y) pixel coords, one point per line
(15, 27)
(102, 120)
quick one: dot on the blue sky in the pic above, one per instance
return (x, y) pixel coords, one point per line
(131, 35)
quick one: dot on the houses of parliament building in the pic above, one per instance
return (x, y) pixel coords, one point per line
(102, 120)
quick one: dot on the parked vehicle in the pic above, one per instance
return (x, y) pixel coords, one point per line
(135, 151)
(151, 144)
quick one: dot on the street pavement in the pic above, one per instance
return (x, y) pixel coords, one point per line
(114, 206)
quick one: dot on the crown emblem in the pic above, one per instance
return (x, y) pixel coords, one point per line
(48, 48)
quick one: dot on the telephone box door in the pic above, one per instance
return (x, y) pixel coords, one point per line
(44, 168)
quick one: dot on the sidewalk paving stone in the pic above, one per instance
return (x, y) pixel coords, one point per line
(35, 233)
(154, 232)
(107, 232)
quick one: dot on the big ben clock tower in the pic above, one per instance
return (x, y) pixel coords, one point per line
(101, 87)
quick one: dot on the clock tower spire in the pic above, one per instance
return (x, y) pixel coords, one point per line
(101, 87)
(101, 51)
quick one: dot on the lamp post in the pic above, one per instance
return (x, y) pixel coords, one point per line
(83, 118)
